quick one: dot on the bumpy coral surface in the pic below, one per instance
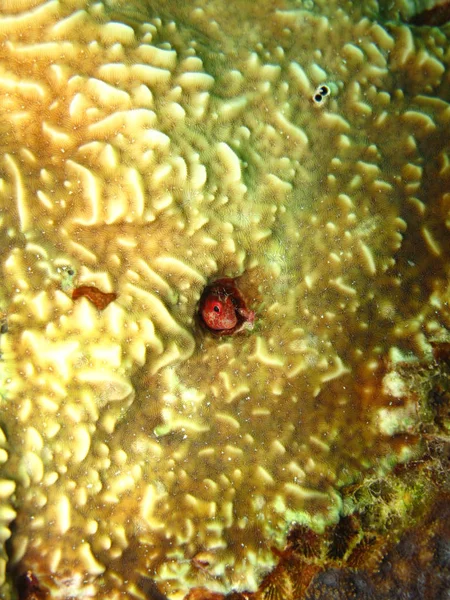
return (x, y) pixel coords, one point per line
(392, 541)
(148, 149)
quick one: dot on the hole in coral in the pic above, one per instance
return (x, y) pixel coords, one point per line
(222, 309)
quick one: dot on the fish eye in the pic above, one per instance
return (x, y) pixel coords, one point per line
(216, 308)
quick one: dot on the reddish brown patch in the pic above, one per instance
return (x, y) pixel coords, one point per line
(301, 575)
(341, 537)
(303, 541)
(276, 585)
(368, 553)
(97, 297)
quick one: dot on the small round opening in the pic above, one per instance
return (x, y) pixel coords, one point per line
(222, 309)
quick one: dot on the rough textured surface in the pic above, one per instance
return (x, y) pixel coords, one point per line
(147, 151)
(392, 540)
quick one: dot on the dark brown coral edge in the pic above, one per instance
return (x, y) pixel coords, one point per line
(434, 17)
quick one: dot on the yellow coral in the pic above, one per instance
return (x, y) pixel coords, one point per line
(147, 153)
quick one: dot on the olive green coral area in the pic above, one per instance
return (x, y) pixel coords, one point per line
(147, 150)
(392, 539)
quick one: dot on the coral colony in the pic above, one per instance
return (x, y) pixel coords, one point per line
(225, 299)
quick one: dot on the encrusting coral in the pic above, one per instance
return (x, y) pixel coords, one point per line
(148, 150)
(392, 541)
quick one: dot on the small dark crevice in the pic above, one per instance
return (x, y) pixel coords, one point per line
(150, 589)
